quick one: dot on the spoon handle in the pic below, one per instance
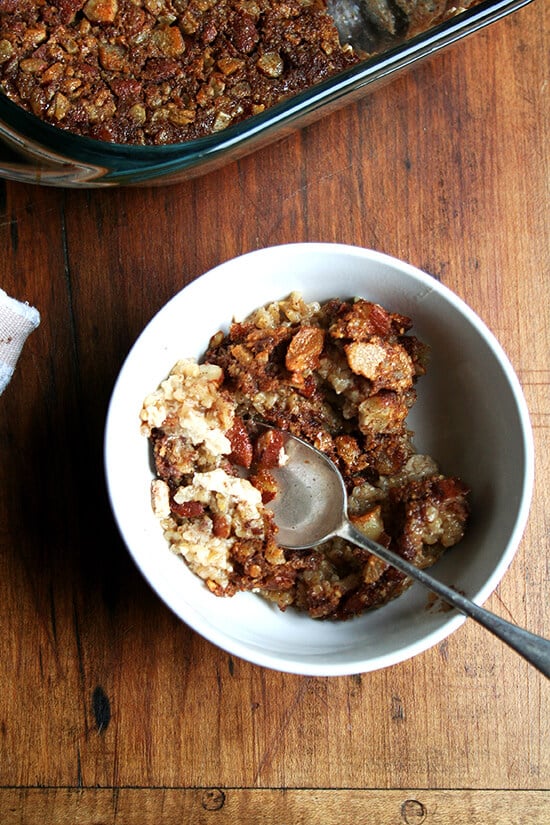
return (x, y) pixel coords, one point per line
(534, 649)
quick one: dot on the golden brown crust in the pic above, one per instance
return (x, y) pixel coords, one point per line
(162, 71)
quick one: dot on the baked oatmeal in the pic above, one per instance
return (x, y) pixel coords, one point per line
(162, 71)
(155, 72)
(341, 375)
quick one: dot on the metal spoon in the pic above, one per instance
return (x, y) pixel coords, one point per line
(311, 506)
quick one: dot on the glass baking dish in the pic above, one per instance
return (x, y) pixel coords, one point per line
(33, 151)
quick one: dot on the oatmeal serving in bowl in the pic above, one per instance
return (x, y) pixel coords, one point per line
(385, 404)
(341, 375)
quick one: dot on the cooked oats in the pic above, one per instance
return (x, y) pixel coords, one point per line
(342, 376)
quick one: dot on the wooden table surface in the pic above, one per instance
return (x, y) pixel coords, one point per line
(112, 710)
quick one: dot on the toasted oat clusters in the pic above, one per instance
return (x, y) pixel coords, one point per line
(342, 376)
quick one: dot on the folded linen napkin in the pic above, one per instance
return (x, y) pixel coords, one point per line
(17, 321)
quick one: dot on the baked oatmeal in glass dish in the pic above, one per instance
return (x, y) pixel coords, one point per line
(341, 375)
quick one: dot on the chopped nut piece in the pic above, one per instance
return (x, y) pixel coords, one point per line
(33, 65)
(360, 320)
(53, 73)
(59, 107)
(6, 50)
(229, 65)
(112, 57)
(138, 113)
(370, 523)
(384, 412)
(168, 41)
(101, 11)
(386, 364)
(365, 358)
(37, 34)
(222, 121)
(181, 117)
(304, 349)
(271, 64)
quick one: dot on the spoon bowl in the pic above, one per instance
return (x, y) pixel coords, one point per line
(311, 506)
(311, 499)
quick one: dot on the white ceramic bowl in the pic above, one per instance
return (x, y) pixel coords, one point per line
(470, 415)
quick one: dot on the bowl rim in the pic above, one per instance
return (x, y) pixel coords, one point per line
(313, 666)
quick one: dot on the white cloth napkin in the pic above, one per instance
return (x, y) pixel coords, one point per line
(17, 321)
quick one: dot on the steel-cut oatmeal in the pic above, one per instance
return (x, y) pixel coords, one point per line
(341, 375)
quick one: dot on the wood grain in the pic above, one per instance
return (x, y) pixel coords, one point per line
(111, 709)
(202, 806)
